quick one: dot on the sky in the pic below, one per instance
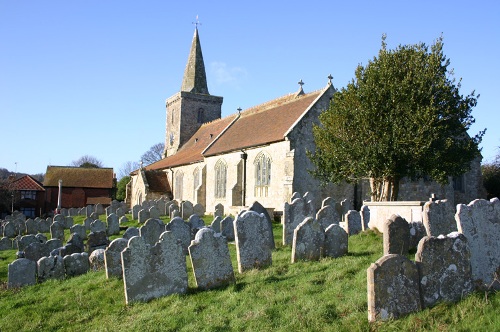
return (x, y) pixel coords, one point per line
(91, 77)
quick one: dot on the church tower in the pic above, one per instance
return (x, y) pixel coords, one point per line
(188, 109)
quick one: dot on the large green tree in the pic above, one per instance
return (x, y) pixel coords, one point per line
(491, 177)
(401, 116)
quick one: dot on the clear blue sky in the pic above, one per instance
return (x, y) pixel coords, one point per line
(91, 77)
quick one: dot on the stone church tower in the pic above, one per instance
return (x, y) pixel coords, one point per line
(188, 109)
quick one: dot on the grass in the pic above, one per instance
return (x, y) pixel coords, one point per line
(329, 295)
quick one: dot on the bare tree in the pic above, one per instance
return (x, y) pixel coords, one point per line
(155, 153)
(87, 161)
(127, 168)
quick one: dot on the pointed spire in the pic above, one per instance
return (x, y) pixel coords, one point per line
(195, 78)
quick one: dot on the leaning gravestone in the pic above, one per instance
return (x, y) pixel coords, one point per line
(393, 288)
(257, 207)
(211, 260)
(227, 228)
(417, 233)
(215, 225)
(336, 241)
(438, 218)
(36, 250)
(113, 224)
(50, 267)
(445, 270)
(181, 231)
(76, 264)
(151, 231)
(113, 258)
(293, 215)
(57, 230)
(187, 209)
(480, 223)
(252, 244)
(22, 272)
(396, 236)
(143, 215)
(153, 272)
(308, 240)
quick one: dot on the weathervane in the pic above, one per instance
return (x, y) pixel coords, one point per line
(197, 22)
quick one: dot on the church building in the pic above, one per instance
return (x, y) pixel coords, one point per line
(258, 154)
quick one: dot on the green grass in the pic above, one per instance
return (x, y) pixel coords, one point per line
(329, 295)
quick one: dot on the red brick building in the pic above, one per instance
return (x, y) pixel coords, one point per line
(28, 196)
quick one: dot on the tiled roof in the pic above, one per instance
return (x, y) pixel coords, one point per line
(191, 151)
(263, 124)
(78, 177)
(27, 183)
(157, 181)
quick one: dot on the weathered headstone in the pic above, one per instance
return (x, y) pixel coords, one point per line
(308, 241)
(445, 270)
(211, 260)
(215, 225)
(365, 217)
(160, 205)
(113, 258)
(96, 240)
(57, 230)
(131, 232)
(227, 228)
(44, 225)
(151, 231)
(80, 230)
(336, 241)
(31, 226)
(96, 260)
(113, 224)
(196, 223)
(295, 195)
(328, 201)
(181, 231)
(293, 215)
(123, 220)
(199, 210)
(120, 212)
(327, 216)
(9, 229)
(99, 209)
(50, 267)
(25, 241)
(98, 226)
(257, 207)
(76, 240)
(396, 236)
(135, 211)
(5, 243)
(353, 222)
(94, 216)
(143, 215)
(50, 245)
(480, 223)
(153, 272)
(76, 264)
(252, 244)
(87, 222)
(417, 232)
(154, 213)
(439, 217)
(186, 209)
(219, 210)
(393, 288)
(21, 272)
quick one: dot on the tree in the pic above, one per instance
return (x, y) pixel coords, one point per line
(121, 192)
(154, 154)
(491, 178)
(127, 168)
(401, 116)
(87, 161)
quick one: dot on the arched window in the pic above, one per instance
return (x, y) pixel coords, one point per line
(220, 179)
(262, 174)
(196, 180)
(201, 115)
(178, 184)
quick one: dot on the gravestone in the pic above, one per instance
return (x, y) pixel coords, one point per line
(154, 213)
(80, 230)
(73, 212)
(113, 258)
(64, 212)
(393, 288)
(94, 216)
(99, 209)
(9, 229)
(210, 259)
(396, 233)
(327, 216)
(445, 270)
(109, 210)
(365, 217)
(135, 211)
(143, 215)
(153, 272)
(89, 209)
(5, 243)
(160, 205)
(41, 237)
(181, 231)
(199, 210)
(52, 244)
(25, 241)
(480, 223)
(328, 201)
(44, 225)
(98, 226)
(215, 225)
(113, 224)
(219, 210)
(336, 241)
(131, 232)
(174, 211)
(60, 218)
(293, 215)
(96, 240)
(68, 222)
(96, 259)
(227, 228)
(123, 220)
(252, 244)
(120, 212)
(31, 226)
(257, 207)
(186, 209)
(438, 218)
(295, 195)
(76, 264)
(21, 272)
(76, 240)
(345, 206)
(50, 267)
(57, 230)
(417, 232)
(308, 240)
(87, 223)
(353, 222)
(151, 231)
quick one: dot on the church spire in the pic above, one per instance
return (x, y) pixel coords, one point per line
(195, 78)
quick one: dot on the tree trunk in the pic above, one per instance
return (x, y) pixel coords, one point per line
(384, 190)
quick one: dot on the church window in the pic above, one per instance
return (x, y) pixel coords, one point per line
(262, 174)
(201, 115)
(220, 179)
(178, 184)
(196, 181)
(459, 183)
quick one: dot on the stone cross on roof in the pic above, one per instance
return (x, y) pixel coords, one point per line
(301, 91)
(197, 22)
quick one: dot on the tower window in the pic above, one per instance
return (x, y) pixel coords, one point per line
(201, 115)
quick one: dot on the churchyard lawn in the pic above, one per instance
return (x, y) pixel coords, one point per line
(329, 295)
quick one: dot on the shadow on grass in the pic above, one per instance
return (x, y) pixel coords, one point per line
(360, 253)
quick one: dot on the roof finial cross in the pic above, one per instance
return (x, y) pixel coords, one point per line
(330, 78)
(197, 22)
(301, 83)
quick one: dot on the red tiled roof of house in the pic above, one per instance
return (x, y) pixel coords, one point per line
(26, 183)
(79, 177)
(157, 181)
(263, 124)
(191, 151)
